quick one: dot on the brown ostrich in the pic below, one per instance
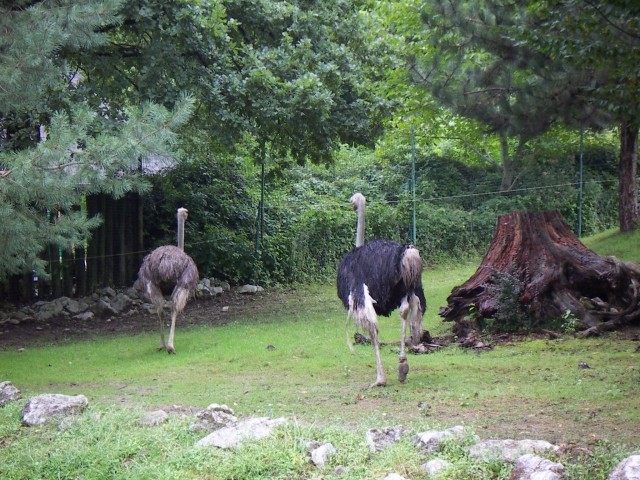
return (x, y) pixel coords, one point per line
(374, 279)
(166, 268)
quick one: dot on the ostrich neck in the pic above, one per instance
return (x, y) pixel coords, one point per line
(360, 228)
(181, 232)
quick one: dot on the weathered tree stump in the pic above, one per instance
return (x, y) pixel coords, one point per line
(548, 272)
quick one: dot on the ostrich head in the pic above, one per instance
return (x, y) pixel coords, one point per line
(357, 200)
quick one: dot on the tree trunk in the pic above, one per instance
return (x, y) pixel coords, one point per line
(537, 270)
(628, 176)
(508, 165)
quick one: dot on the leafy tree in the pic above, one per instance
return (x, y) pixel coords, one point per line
(519, 68)
(299, 76)
(601, 40)
(54, 148)
(475, 63)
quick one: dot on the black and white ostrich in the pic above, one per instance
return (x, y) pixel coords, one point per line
(376, 278)
(166, 268)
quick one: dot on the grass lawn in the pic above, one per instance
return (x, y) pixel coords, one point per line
(526, 389)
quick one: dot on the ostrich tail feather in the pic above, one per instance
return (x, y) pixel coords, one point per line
(411, 268)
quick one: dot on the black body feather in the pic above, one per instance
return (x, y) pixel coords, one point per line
(378, 265)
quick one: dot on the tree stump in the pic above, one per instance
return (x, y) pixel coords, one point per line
(537, 270)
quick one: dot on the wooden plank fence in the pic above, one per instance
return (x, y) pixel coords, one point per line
(111, 258)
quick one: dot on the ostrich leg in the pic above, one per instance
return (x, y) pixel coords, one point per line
(179, 299)
(160, 308)
(411, 307)
(403, 366)
(381, 379)
(170, 347)
(158, 301)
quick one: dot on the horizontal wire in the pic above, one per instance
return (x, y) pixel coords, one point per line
(342, 203)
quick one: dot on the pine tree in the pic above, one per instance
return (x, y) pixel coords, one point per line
(478, 66)
(54, 148)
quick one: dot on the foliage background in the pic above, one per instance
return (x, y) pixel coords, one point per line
(309, 223)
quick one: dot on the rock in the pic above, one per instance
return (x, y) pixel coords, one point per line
(339, 470)
(149, 308)
(509, 450)
(214, 417)
(107, 291)
(120, 303)
(435, 467)
(249, 429)
(102, 308)
(49, 310)
(320, 455)
(8, 393)
(393, 476)
(44, 408)
(72, 306)
(431, 440)
(133, 293)
(533, 467)
(380, 438)
(204, 289)
(84, 316)
(627, 469)
(249, 289)
(152, 419)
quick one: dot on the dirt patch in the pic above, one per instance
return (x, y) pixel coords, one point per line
(218, 310)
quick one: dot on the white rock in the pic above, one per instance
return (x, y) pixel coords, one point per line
(249, 429)
(44, 408)
(627, 469)
(436, 466)
(320, 456)
(8, 393)
(533, 467)
(509, 450)
(152, 419)
(431, 439)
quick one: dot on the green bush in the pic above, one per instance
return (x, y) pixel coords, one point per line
(309, 224)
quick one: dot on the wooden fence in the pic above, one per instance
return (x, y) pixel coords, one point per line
(111, 258)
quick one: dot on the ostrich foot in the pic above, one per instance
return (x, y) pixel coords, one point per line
(379, 383)
(171, 350)
(403, 369)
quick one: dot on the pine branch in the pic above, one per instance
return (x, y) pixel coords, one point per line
(615, 26)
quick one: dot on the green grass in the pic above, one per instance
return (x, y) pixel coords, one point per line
(528, 389)
(625, 246)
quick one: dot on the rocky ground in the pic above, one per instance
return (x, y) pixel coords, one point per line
(216, 310)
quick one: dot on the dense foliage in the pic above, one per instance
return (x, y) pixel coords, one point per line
(309, 223)
(323, 96)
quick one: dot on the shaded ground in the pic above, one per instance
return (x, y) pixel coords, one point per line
(202, 312)
(218, 310)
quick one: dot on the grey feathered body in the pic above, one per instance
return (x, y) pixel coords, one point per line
(169, 269)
